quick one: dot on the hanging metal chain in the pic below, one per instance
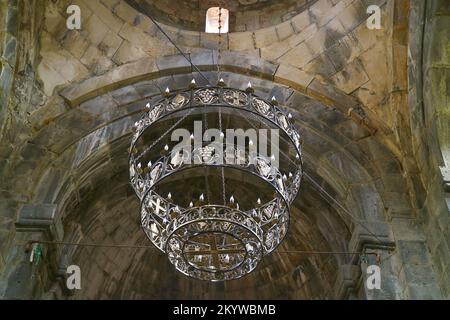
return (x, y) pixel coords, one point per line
(223, 156)
(219, 47)
(163, 135)
(219, 56)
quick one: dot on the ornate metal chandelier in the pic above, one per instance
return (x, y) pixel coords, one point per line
(190, 190)
(216, 208)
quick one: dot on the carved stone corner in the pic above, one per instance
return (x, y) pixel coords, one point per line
(40, 218)
(347, 281)
(372, 235)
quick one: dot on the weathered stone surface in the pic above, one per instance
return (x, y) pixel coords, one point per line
(94, 86)
(373, 138)
(298, 56)
(265, 37)
(293, 77)
(351, 77)
(241, 41)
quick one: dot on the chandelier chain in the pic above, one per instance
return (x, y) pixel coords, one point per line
(219, 47)
(355, 219)
(144, 152)
(219, 50)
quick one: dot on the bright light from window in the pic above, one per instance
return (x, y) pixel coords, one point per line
(212, 20)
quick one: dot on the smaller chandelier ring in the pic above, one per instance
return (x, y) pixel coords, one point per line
(269, 222)
(219, 213)
(162, 209)
(272, 182)
(286, 186)
(246, 248)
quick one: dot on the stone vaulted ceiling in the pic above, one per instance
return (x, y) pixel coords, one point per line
(70, 97)
(247, 15)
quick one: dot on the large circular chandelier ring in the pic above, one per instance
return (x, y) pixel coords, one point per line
(249, 168)
(164, 111)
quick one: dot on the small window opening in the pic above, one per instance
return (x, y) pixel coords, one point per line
(212, 20)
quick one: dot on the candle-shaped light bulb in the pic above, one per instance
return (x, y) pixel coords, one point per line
(202, 197)
(249, 88)
(166, 147)
(167, 90)
(147, 106)
(149, 164)
(237, 206)
(250, 143)
(258, 201)
(139, 165)
(272, 157)
(191, 204)
(231, 199)
(290, 174)
(169, 196)
(193, 84)
(290, 115)
(192, 136)
(222, 135)
(284, 177)
(274, 101)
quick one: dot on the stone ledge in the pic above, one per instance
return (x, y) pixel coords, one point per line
(39, 215)
(40, 218)
(36, 217)
(293, 77)
(376, 235)
(143, 69)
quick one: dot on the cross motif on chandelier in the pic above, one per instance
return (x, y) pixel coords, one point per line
(214, 251)
(157, 205)
(236, 98)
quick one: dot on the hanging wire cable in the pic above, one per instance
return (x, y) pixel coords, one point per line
(129, 246)
(355, 219)
(317, 186)
(144, 152)
(140, 9)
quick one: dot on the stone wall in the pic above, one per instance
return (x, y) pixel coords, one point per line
(372, 138)
(429, 79)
